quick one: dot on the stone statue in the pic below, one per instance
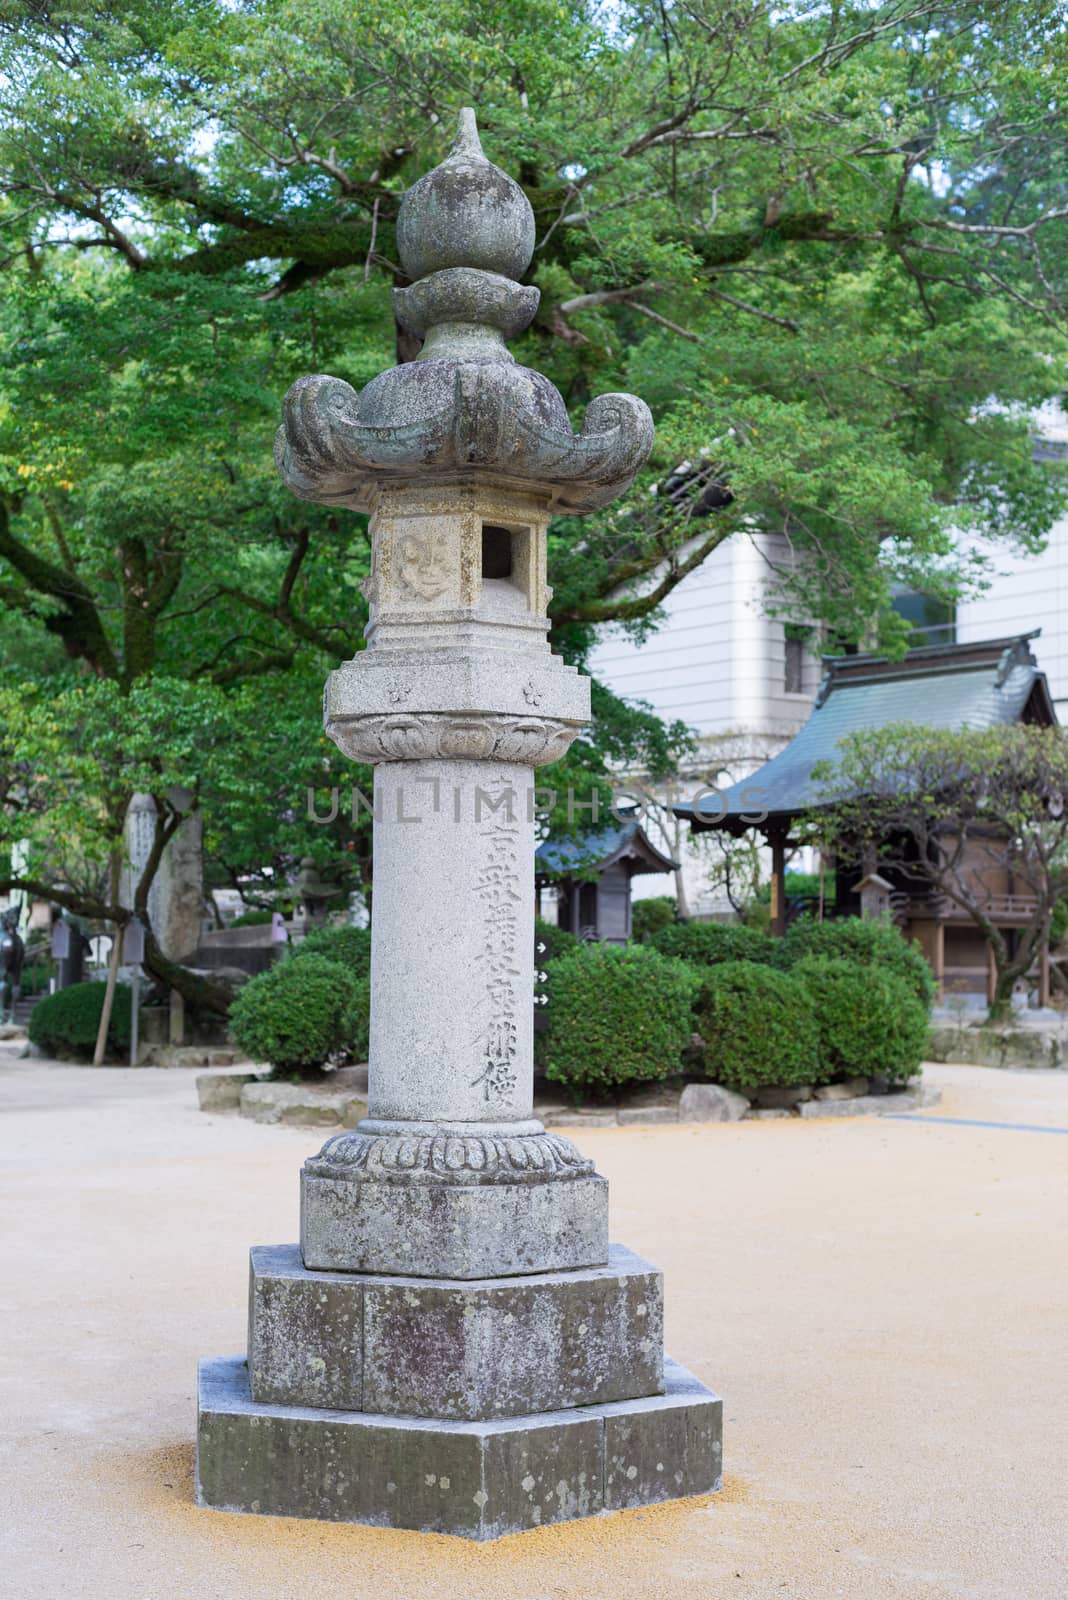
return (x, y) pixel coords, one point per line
(12, 957)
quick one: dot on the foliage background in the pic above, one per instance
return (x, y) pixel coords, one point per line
(826, 242)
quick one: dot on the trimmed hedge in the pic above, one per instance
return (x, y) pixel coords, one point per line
(650, 916)
(358, 1021)
(66, 1023)
(559, 940)
(298, 1014)
(867, 943)
(620, 1014)
(709, 943)
(869, 1020)
(350, 946)
(759, 1027)
(256, 918)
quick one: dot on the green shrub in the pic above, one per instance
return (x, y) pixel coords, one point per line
(358, 1021)
(869, 1020)
(298, 1014)
(252, 919)
(35, 977)
(559, 940)
(649, 916)
(758, 1027)
(350, 946)
(709, 943)
(866, 942)
(66, 1023)
(1058, 927)
(619, 1014)
(801, 883)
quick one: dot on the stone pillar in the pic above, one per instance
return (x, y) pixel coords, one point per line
(451, 986)
(176, 897)
(483, 1359)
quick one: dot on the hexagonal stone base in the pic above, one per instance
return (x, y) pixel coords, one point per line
(453, 1231)
(463, 1349)
(476, 1479)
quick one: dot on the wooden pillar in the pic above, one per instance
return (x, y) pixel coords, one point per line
(940, 958)
(777, 840)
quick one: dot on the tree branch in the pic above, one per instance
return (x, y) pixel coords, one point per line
(641, 605)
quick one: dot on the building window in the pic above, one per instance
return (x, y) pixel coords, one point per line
(931, 619)
(794, 659)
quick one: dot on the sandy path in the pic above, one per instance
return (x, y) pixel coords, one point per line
(884, 1305)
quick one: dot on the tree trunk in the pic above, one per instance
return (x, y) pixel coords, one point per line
(682, 904)
(113, 967)
(681, 901)
(1005, 976)
(201, 993)
(1029, 943)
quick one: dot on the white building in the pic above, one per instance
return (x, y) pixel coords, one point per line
(1029, 591)
(742, 680)
(745, 682)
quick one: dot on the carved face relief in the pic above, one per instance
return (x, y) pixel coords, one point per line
(423, 564)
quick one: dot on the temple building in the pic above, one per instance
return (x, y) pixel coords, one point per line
(972, 685)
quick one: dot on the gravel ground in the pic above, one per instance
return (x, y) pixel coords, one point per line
(883, 1303)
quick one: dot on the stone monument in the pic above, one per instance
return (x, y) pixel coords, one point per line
(455, 1346)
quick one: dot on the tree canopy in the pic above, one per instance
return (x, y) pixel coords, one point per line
(825, 239)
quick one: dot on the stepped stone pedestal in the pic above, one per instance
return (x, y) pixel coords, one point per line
(454, 1346)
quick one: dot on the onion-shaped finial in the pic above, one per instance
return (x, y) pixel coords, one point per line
(465, 213)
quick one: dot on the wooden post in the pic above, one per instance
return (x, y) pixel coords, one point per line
(940, 958)
(777, 840)
(1043, 974)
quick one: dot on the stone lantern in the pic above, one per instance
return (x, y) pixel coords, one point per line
(455, 1345)
(313, 894)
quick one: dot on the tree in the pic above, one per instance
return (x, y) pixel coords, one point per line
(971, 815)
(838, 285)
(812, 235)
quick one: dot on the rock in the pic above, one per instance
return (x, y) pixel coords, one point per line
(983, 1046)
(775, 1098)
(842, 1091)
(353, 1078)
(650, 1094)
(221, 1091)
(545, 1107)
(578, 1118)
(652, 1103)
(766, 1115)
(874, 1105)
(194, 1055)
(711, 1102)
(12, 1030)
(299, 1105)
(630, 1115)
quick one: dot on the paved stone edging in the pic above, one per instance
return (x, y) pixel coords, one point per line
(986, 1046)
(341, 1106)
